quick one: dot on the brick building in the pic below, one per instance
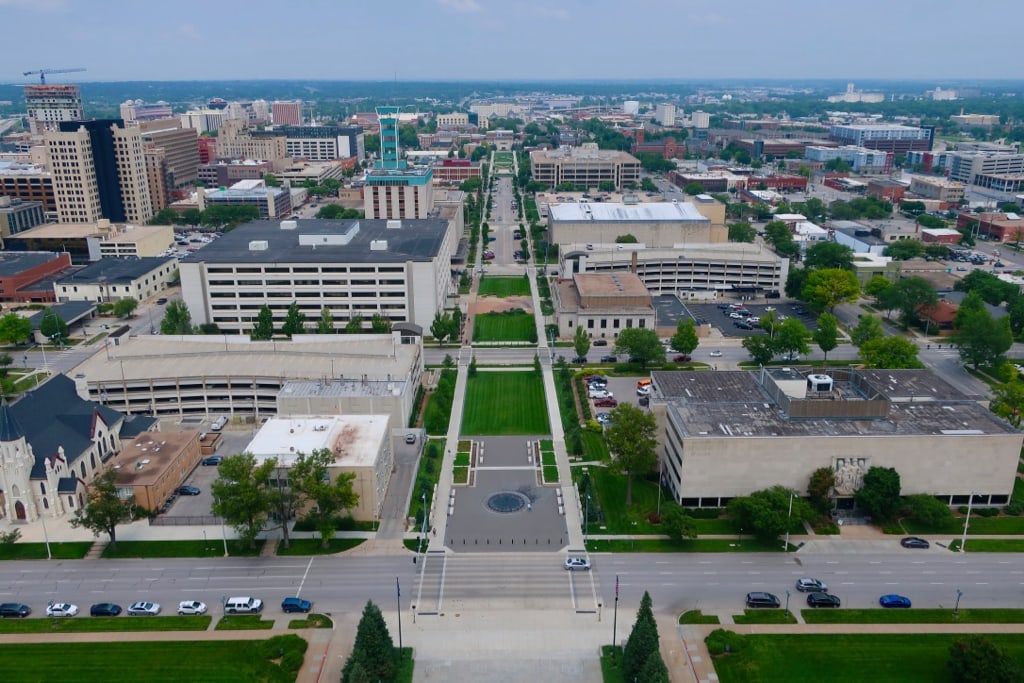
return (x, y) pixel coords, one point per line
(20, 270)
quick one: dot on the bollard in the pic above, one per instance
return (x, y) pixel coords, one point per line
(499, 541)
(488, 541)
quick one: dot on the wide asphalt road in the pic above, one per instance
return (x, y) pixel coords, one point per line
(677, 582)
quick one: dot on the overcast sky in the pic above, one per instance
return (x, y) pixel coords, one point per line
(935, 40)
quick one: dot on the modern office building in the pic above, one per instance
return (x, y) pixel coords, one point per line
(455, 171)
(47, 105)
(400, 269)
(17, 215)
(272, 202)
(113, 279)
(860, 159)
(237, 141)
(287, 113)
(603, 304)
(137, 110)
(394, 189)
(932, 187)
(665, 114)
(456, 119)
(88, 242)
(654, 224)
(729, 433)
(585, 166)
(204, 120)
(323, 143)
(980, 168)
(891, 138)
(28, 182)
(172, 159)
(360, 446)
(99, 171)
(691, 271)
(231, 375)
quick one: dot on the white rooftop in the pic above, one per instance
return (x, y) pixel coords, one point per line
(607, 211)
(807, 228)
(789, 217)
(940, 232)
(355, 440)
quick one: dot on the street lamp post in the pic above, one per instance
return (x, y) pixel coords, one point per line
(586, 520)
(46, 536)
(789, 517)
(967, 523)
(956, 607)
(787, 601)
(423, 531)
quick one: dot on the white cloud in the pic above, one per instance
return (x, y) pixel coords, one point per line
(460, 5)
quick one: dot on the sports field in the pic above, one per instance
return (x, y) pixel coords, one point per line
(511, 326)
(505, 403)
(504, 286)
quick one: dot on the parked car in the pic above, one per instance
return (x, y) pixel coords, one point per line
(211, 461)
(244, 605)
(682, 358)
(188, 491)
(143, 609)
(715, 354)
(105, 609)
(822, 600)
(809, 585)
(61, 609)
(759, 599)
(161, 301)
(893, 600)
(643, 391)
(574, 563)
(410, 438)
(14, 609)
(603, 418)
(579, 359)
(609, 359)
(743, 325)
(191, 607)
(914, 542)
(296, 605)
(600, 393)
(644, 401)
(605, 403)
(600, 342)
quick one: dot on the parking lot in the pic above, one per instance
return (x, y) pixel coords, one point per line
(203, 476)
(719, 318)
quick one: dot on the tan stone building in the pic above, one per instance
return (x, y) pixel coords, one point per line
(172, 159)
(603, 304)
(235, 140)
(931, 187)
(727, 434)
(585, 166)
(154, 464)
(654, 224)
(87, 242)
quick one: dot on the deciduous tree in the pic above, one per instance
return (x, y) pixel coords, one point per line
(976, 658)
(240, 495)
(294, 321)
(826, 336)
(760, 349)
(765, 513)
(829, 287)
(124, 308)
(354, 325)
(14, 328)
(892, 353)
(819, 489)
(310, 477)
(325, 324)
(828, 255)
(640, 344)
(379, 324)
(581, 342)
(264, 327)
(685, 339)
(177, 320)
(867, 328)
(879, 496)
(630, 438)
(52, 326)
(105, 509)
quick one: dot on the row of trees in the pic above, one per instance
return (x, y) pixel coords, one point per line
(212, 217)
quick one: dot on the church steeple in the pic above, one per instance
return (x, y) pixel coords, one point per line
(10, 430)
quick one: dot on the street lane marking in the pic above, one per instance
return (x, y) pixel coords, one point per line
(303, 582)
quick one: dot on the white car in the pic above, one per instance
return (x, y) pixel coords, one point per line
(715, 354)
(191, 607)
(574, 563)
(600, 393)
(61, 609)
(643, 391)
(143, 609)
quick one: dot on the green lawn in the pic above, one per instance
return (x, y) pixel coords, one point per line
(312, 621)
(913, 616)
(699, 545)
(917, 658)
(504, 286)
(979, 525)
(497, 327)
(993, 545)
(155, 662)
(764, 616)
(243, 622)
(611, 664)
(550, 474)
(695, 616)
(314, 546)
(503, 159)
(37, 551)
(594, 446)
(211, 547)
(86, 624)
(499, 403)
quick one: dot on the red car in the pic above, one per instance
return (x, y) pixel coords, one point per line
(605, 402)
(682, 358)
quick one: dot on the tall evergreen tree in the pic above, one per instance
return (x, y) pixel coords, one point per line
(642, 642)
(373, 651)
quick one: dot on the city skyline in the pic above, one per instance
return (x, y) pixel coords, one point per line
(487, 40)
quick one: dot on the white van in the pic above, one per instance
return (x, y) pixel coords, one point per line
(219, 423)
(243, 606)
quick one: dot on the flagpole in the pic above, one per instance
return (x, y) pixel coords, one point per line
(615, 618)
(398, 602)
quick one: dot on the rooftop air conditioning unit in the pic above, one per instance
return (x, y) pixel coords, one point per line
(289, 225)
(259, 245)
(378, 245)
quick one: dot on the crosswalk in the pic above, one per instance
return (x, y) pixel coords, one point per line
(450, 583)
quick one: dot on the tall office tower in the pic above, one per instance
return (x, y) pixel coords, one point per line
(393, 188)
(172, 159)
(287, 113)
(99, 171)
(665, 114)
(48, 105)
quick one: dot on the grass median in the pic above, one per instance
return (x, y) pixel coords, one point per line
(243, 622)
(314, 546)
(502, 403)
(37, 551)
(913, 616)
(82, 624)
(211, 547)
(504, 286)
(511, 326)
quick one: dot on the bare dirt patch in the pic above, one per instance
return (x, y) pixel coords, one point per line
(493, 304)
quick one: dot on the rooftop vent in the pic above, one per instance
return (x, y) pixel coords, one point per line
(394, 224)
(259, 245)
(289, 225)
(378, 245)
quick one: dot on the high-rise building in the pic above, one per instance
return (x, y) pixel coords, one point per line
(47, 105)
(137, 110)
(665, 114)
(237, 141)
(323, 143)
(286, 113)
(891, 138)
(99, 171)
(393, 188)
(172, 159)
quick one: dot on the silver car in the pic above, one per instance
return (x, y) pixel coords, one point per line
(809, 585)
(574, 563)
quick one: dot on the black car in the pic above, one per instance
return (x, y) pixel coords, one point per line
(609, 359)
(579, 359)
(161, 301)
(213, 460)
(914, 542)
(758, 599)
(188, 491)
(105, 609)
(600, 342)
(14, 609)
(822, 600)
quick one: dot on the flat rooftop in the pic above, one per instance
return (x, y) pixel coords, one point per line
(114, 233)
(115, 270)
(355, 440)
(16, 262)
(610, 284)
(339, 388)
(627, 213)
(145, 458)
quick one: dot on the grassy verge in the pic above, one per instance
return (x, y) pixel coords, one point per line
(695, 616)
(37, 551)
(764, 616)
(698, 545)
(499, 403)
(158, 549)
(83, 624)
(992, 545)
(917, 658)
(913, 616)
(208, 661)
(503, 286)
(314, 546)
(406, 665)
(983, 526)
(510, 326)
(312, 621)
(243, 622)
(611, 664)
(427, 475)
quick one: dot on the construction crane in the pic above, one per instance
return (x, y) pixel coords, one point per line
(42, 73)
